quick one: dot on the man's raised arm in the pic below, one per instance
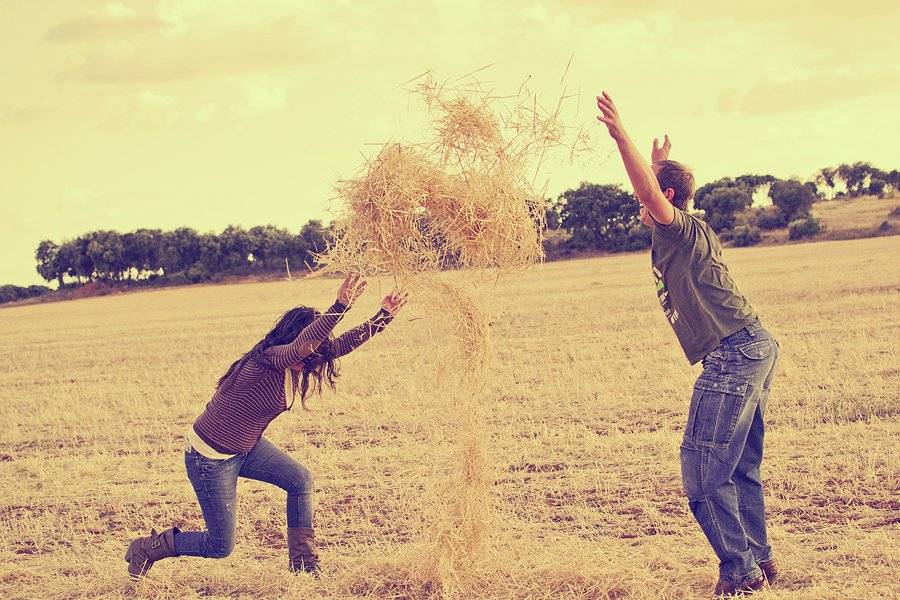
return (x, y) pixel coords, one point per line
(646, 187)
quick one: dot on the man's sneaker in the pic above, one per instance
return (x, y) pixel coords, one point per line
(769, 569)
(727, 589)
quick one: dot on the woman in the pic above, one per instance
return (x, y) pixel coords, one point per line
(225, 442)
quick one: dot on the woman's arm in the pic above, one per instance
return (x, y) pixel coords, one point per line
(308, 340)
(292, 354)
(352, 339)
(356, 337)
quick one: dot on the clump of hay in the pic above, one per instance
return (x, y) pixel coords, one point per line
(464, 198)
(408, 213)
(467, 326)
(384, 228)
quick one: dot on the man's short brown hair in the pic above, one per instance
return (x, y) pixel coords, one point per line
(679, 177)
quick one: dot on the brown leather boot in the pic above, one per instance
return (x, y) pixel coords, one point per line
(726, 589)
(770, 570)
(302, 555)
(145, 551)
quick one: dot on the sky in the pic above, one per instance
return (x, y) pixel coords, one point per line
(200, 113)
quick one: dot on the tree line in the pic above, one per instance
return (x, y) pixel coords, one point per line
(606, 217)
(591, 217)
(183, 255)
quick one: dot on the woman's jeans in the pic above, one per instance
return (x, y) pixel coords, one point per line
(723, 448)
(215, 482)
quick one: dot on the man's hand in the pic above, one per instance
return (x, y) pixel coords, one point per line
(658, 152)
(394, 301)
(351, 289)
(610, 117)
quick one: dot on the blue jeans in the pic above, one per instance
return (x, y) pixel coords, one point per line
(723, 448)
(215, 482)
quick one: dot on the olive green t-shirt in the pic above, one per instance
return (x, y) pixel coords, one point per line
(697, 294)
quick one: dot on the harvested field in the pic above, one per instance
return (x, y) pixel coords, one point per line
(586, 395)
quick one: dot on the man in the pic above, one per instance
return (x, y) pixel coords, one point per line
(723, 442)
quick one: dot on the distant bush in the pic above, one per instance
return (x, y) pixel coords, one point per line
(724, 200)
(770, 217)
(877, 187)
(801, 228)
(639, 237)
(746, 235)
(722, 204)
(748, 216)
(598, 217)
(197, 273)
(179, 278)
(11, 293)
(793, 198)
(556, 246)
(8, 294)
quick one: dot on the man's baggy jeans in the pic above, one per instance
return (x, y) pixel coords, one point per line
(723, 448)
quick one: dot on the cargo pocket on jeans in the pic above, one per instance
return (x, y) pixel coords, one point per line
(716, 405)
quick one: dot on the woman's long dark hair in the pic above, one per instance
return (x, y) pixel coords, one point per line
(318, 366)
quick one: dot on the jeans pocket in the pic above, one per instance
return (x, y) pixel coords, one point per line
(205, 466)
(758, 350)
(716, 405)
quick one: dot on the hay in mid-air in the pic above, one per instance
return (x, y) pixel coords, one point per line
(464, 198)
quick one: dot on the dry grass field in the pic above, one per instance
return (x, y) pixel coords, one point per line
(867, 212)
(847, 219)
(586, 399)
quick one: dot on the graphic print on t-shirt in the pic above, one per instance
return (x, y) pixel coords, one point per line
(663, 295)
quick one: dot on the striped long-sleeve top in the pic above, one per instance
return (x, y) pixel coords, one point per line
(243, 406)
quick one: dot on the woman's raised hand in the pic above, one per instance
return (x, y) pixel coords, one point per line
(352, 288)
(394, 301)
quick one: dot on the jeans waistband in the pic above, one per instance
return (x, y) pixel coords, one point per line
(751, 329)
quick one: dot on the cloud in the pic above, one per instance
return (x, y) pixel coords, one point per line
(205, 113)
(115, 21)
(120, 11)
(155, 100)
(277, 44)
(772, 96)
(760, 11)
(180, 12)
(263, 97)
(151, 109)
(17, 114)
(826, 34)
